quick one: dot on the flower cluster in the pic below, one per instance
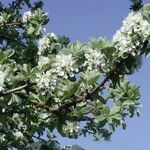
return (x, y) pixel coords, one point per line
(46, 81)
(34, 21)
(95, 60)
(2, 78)
(71, 129)
(27, 16)
(64, 66)
(45, 42)
(43, 61)
(132, 35)
(18, 134)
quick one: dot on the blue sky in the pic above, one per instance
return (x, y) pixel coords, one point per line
(82, 19)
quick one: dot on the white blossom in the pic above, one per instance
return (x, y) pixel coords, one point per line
(45, 42)
(95, 60)
(15, 115)
(2, 137)
(2, 78)
(145, 29)
(46, 81)
(22, 126)
(44, 116)
(43, 61)
(18, 134)
(64, 66)
(52, 35)
(132, 35)
(84, 87)
(71, 128)
(26, 16)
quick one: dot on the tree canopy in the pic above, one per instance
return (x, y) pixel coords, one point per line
(49, 84)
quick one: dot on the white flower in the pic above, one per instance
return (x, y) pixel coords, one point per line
(132, 35)
(2, 78)
(71, 128)
(145, 29)
(1, 19)
(44, 116)
(64, 65)
(52, 35)
(46, 81)
(95, 60)
(44, 43)
(22, 126)
(15, 115)
(43, 61)
(18, 134)
(26, 16)
(2, 137)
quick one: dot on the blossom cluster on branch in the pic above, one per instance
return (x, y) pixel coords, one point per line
(49, 84)
(132, 35)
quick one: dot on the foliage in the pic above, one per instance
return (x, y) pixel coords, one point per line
(49, 84)
(137, 4)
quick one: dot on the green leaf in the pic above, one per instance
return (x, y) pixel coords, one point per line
(146, 11)
(128, 103)
(105, 110)
(6, 54)
(26, 70)
(70, 88)
(77, 49)
(101, 43)
(38, 30)
(100, 118)
(90, 77)
(117, 116)
(33, 96)
(114, 110)
(30, 30)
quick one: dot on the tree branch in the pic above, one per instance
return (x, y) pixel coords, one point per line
(76, 99)
(10, 24)
(63, 107)
(17, 89)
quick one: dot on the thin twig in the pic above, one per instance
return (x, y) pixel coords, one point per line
(4, 93)
(10, 24)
